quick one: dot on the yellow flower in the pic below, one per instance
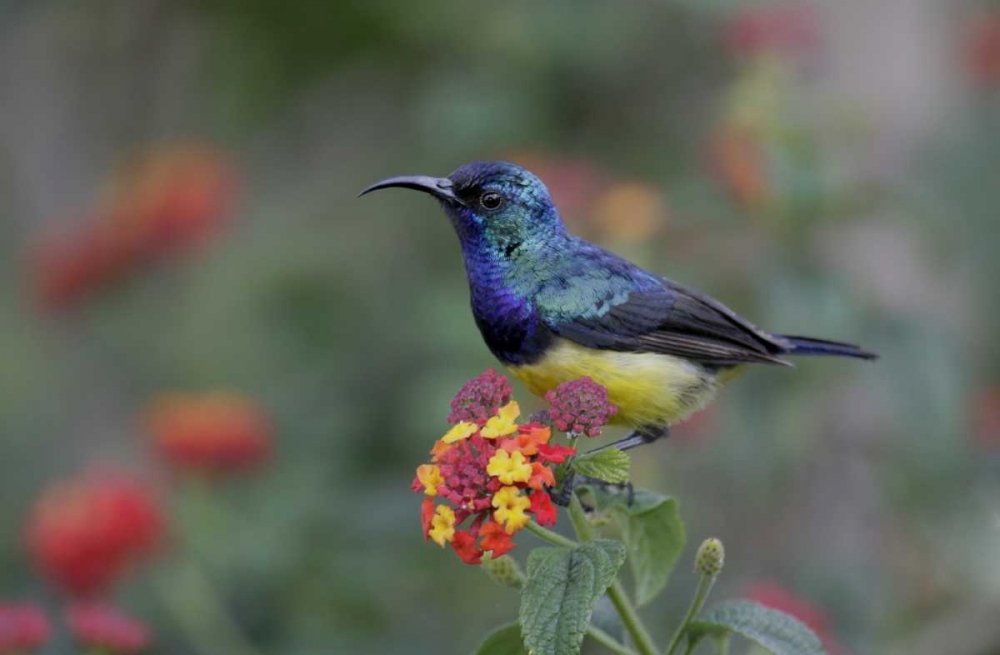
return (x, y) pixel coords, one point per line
(503, 423)
(443, 525)
(509, 467)
(510, 506)
(430, 476)
(460, 431)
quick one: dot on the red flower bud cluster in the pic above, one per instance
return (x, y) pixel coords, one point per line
(85, 534)
(580, 406)
(480, 398)
(160, 205)
(210, 433)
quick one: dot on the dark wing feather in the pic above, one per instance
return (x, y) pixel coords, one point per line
(668, 318)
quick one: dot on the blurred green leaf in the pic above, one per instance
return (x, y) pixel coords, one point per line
(776, 631)
(563, 586)
(505, 640)
(654, 535)
(610, 464)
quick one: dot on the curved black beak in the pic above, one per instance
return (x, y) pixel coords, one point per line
(439, 187)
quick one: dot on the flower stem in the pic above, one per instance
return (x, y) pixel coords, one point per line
(549, 535)
(629, 616)
(584, 531)
(630, 619)
(609, 642)
(704, 586)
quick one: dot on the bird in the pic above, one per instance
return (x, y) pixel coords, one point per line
(553, 307)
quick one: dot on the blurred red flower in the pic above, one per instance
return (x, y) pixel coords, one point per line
(981, 47)
(24, 628)
(84, 534)
(775, 28)
(986, 418)
(103, 628)
(775, 596)
(210, 433)
(161, 203)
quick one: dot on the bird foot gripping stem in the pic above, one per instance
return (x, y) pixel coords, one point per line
(561, 495)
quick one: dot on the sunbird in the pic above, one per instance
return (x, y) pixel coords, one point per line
(553, 307)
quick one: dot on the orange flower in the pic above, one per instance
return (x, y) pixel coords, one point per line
(527, 440)
(494, 537)
(211, 433)
(84, 534)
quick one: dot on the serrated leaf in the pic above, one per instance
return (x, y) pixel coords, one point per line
(776, 631)
(654, 536)
(611, 465)
(505, 640)
(562, 587)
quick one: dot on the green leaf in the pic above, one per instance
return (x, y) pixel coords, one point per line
(562, 587)
(654, 535)
(611, 465)
(505, 640)
(776, 631)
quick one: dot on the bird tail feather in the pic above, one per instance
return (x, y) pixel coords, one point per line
(810, 346)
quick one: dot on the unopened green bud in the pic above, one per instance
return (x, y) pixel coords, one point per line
(504, 570)
(710, 558)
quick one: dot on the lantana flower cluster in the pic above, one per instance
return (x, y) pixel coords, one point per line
(488, 470)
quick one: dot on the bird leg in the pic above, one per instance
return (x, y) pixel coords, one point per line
(639, 437)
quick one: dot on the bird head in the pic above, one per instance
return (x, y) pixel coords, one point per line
(492, 204)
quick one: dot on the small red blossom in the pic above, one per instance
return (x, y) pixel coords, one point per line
(981, 46)
(783, 29)
(555, 454)
(426, 514)
(777, 597)
(543, 508)
(85, 534)
(464, 545)
(480, 398)
(160, 204)
(494, 538)
(24, 628)
(210, 433)
(580, 406)
(106, 629)
(986, 419)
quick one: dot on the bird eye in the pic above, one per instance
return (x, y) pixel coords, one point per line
(491, 200)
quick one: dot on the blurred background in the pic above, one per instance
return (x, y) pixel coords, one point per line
(183, 255)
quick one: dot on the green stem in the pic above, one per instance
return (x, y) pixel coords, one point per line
(629, 616)
(199, 612)
(630, 619)
(704, 586)
(550, 536)
(692, 644)
(609, 642)
(584, 531)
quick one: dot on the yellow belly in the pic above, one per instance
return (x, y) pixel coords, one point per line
(649, 389)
